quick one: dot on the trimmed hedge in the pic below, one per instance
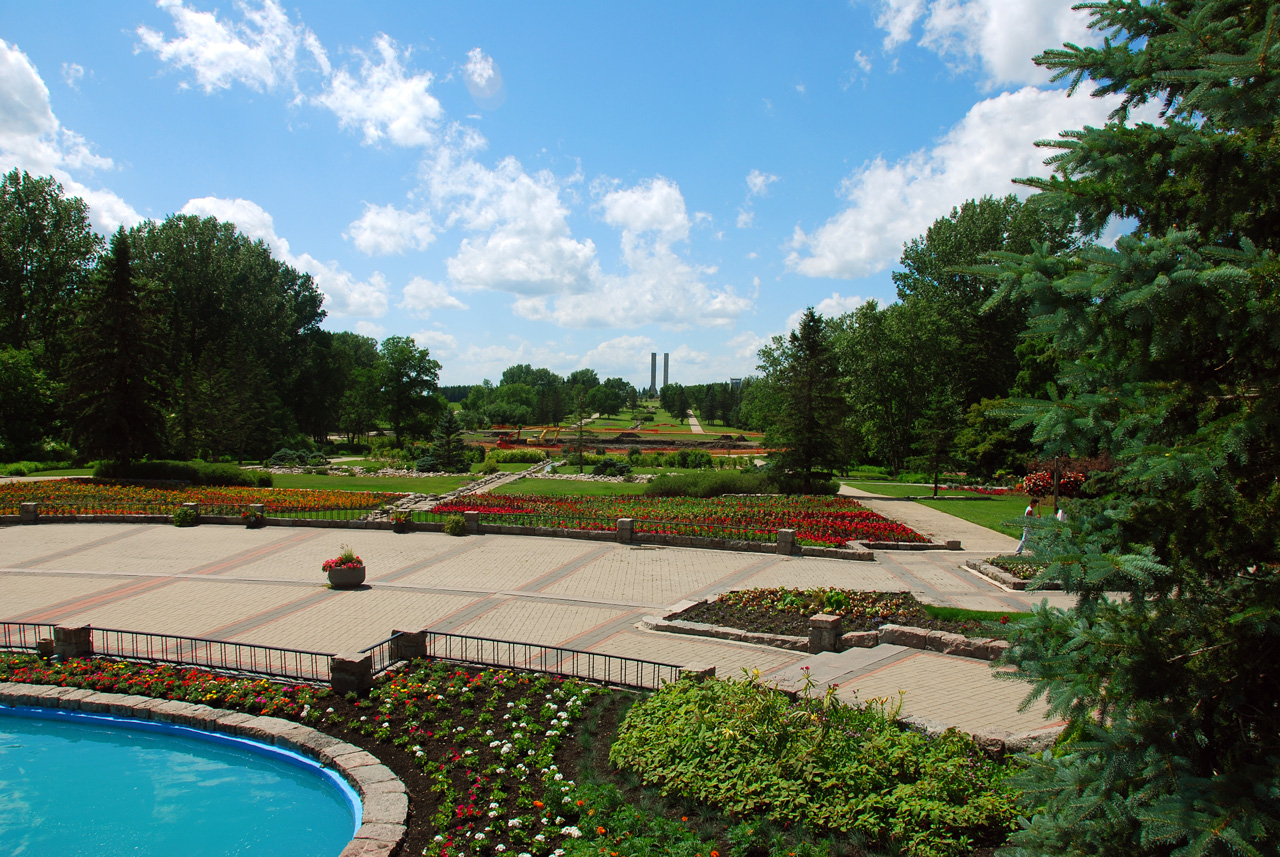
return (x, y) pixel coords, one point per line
(709, 483)
(195, 472)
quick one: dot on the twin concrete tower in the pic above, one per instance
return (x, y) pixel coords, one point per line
(653, 371)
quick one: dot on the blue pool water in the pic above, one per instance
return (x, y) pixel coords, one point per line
(77, 784)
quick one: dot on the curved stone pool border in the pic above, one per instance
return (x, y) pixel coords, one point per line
(385, 802)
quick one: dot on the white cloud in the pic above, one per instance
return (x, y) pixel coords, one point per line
(421, 296)
(524, 245)
(831, 307)
(483, 79)
(745, 345)
(385, 229)
(261, 52)
(891, 203)
(72, 74)
(344, 294)
(488, 361)
(369, 328)
(999, 36)
(863, 61)
(439, 343)
(758, 182)
(384, 101)
(623, 356)
(746, 218)
(32, 139)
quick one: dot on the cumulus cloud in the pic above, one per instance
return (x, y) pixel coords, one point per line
(260, 52)
(384, 229)
(384, 100)
(523, 243)
(998, 37)
(746, 218)
(489, 361)
(655, 205)
(483, 79)
(439, 343)
(623, 356)
(831, 307)
(344, 294)
(421, 296)
(758, 182)
(369, 328)
(72, 74)
(32, 139)
(890, 203)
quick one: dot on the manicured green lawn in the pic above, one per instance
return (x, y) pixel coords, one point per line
(981, 509)
(70, 471)
(393, 484)
(570, 488)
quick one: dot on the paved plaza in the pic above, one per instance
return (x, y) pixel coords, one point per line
(266, 587)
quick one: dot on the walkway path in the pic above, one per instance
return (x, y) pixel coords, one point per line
(939, 526)
(265, 586)
(695, 427)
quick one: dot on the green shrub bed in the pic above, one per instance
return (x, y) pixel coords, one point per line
(815, 762)
(1021, 567)
(779, 610)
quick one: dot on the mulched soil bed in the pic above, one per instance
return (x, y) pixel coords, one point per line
(766, 621)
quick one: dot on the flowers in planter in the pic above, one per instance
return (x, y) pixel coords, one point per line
(253, 520)
(346, 559)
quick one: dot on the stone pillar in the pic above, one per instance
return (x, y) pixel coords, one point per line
(28, 513)
(825, 631)
(409, 645)
(258, 508)
(73, 642)
(195, 509)
(698, 672)
(953, 545)
(786, 542)
(473, 522)
(351, 672)
(626, 528)
(45, 647)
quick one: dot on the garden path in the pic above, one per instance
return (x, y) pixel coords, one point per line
(939, 526)
(265, 586)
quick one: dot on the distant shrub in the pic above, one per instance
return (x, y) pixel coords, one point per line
(611, 467)
(184, 517)
(315, 459)
(516, 456)
(488, 468)
(286, 457)
(455, 525)
(708, 483)
(425, 464)
(195, 472)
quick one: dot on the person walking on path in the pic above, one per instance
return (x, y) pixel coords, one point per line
(1026, 531)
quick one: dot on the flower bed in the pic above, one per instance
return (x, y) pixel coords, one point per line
(81, 497)
(1021, 567)
(786, 611)
(831, 521)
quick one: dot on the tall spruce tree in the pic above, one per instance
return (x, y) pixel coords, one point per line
(802, 367)
(115, 363)
(1173, 338)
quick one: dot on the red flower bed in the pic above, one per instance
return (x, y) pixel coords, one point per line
(816, 520)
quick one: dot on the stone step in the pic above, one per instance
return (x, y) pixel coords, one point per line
(835, 668)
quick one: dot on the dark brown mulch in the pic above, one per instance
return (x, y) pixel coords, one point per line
(765, 621)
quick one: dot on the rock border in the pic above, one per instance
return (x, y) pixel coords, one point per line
(385, 803)
(943, 642)
(1004, 578)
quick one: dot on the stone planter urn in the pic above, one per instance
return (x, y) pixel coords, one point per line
(346, 576)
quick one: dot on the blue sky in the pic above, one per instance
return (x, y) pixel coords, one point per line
(562, 184)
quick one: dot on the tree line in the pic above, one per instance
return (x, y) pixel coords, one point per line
(183, 334)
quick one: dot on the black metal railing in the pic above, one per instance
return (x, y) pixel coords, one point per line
(24, 635)
(384, 653)
(555, 522)
(246, 658)
(534, 657)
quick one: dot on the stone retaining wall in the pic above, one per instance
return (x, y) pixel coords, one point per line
(985, 649)
(385, 802)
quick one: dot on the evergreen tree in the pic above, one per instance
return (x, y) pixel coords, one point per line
(116, 363)
(446, 444)
(1173, 344)
(802, 367)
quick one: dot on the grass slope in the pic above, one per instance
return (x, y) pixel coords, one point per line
(570, 488)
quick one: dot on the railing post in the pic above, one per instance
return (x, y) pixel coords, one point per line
(195, 509)
(825, 631)
(473, 522)
(351, 673)
(73, 642)
(409, 645)
(28, 513)
(786, 542)
(626, 527)
(258, 508)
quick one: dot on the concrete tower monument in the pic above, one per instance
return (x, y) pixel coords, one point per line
(666, 368)
(653, 373)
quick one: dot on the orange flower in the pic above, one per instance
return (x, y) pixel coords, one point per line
(538, 804)
(684, 818)
(579, 803)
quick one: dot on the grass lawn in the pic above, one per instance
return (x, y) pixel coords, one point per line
(70, 471)
(393, 484)
(570, 488)
(983, 510)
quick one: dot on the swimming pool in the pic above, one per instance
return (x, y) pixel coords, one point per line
(83, 784)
